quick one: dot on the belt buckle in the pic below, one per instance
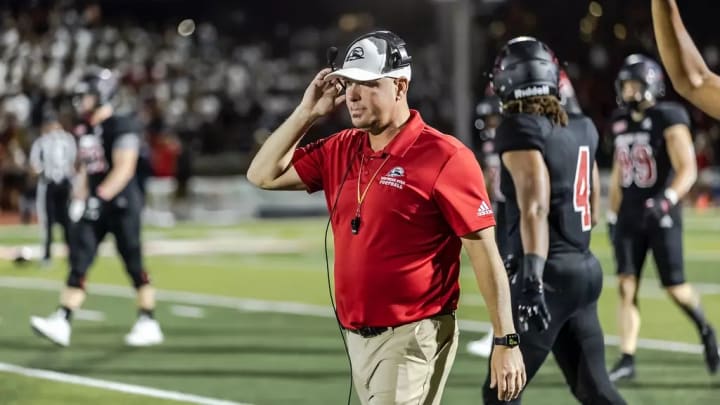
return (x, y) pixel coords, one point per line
(368, 332)
(365, 332)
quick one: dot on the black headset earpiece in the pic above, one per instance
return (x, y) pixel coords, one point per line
(399, 56)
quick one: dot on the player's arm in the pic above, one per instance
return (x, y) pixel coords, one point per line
(688, 72)
(682, 157)
(80, 184)
(532, 188)
(488, 174)
(595, 195)
(491, 173)
(125, 153)
(271, 168)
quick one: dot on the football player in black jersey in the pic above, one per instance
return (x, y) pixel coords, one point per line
(547, 180)
(654, 167)
(689, 73)
(108, 148)
(489, 116)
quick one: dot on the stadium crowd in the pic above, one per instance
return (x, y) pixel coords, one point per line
(201, 91)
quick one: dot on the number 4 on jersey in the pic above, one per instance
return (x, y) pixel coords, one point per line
(581, 188)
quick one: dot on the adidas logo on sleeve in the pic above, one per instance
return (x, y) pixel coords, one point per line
(484, 209)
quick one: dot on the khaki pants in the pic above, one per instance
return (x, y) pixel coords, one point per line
(405, 365)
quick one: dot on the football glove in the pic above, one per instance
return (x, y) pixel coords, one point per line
(532, 309)
(658, 207)
(94, 207)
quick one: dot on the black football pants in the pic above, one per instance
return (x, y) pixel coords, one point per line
(573, 283)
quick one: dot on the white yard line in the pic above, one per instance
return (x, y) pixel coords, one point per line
(112, 386)
(186, 311)
(296, 308)
(89, 315)
(178, 247)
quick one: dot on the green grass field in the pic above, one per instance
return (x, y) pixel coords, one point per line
(247, 350)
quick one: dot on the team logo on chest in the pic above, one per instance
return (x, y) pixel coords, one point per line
(393, 178)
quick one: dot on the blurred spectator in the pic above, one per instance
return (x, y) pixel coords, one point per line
(205, 89)
(13, 163)
(165, 151)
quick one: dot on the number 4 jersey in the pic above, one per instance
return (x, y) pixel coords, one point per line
(569, 154)
(641, 153)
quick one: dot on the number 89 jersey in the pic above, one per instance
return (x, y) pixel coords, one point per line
(641, 153)
(569, 154)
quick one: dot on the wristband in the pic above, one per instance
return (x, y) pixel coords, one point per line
(533, 267)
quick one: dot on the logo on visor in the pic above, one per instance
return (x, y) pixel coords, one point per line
(356, 53)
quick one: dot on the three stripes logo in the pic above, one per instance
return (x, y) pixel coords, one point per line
(484, 209)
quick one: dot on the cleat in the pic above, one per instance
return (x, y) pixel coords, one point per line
(145, 332)
(623, 370)
(55, 328)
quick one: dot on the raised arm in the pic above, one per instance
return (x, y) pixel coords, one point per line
(271, 167)
(688, 72)
(682, 157)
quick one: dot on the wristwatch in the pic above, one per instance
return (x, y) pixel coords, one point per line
(510, 340)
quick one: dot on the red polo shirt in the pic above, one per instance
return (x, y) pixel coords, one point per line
(403, 264)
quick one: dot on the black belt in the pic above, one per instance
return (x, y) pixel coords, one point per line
(368, 332)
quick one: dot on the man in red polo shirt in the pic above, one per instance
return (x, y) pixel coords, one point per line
(403, 199)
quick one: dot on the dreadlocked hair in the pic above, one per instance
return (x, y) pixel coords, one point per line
(548, 106)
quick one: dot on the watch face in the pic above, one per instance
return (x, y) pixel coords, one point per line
(513, 339)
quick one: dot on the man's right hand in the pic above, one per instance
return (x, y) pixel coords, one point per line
(322, 96)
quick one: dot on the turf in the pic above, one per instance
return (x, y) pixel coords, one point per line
(280, 358)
